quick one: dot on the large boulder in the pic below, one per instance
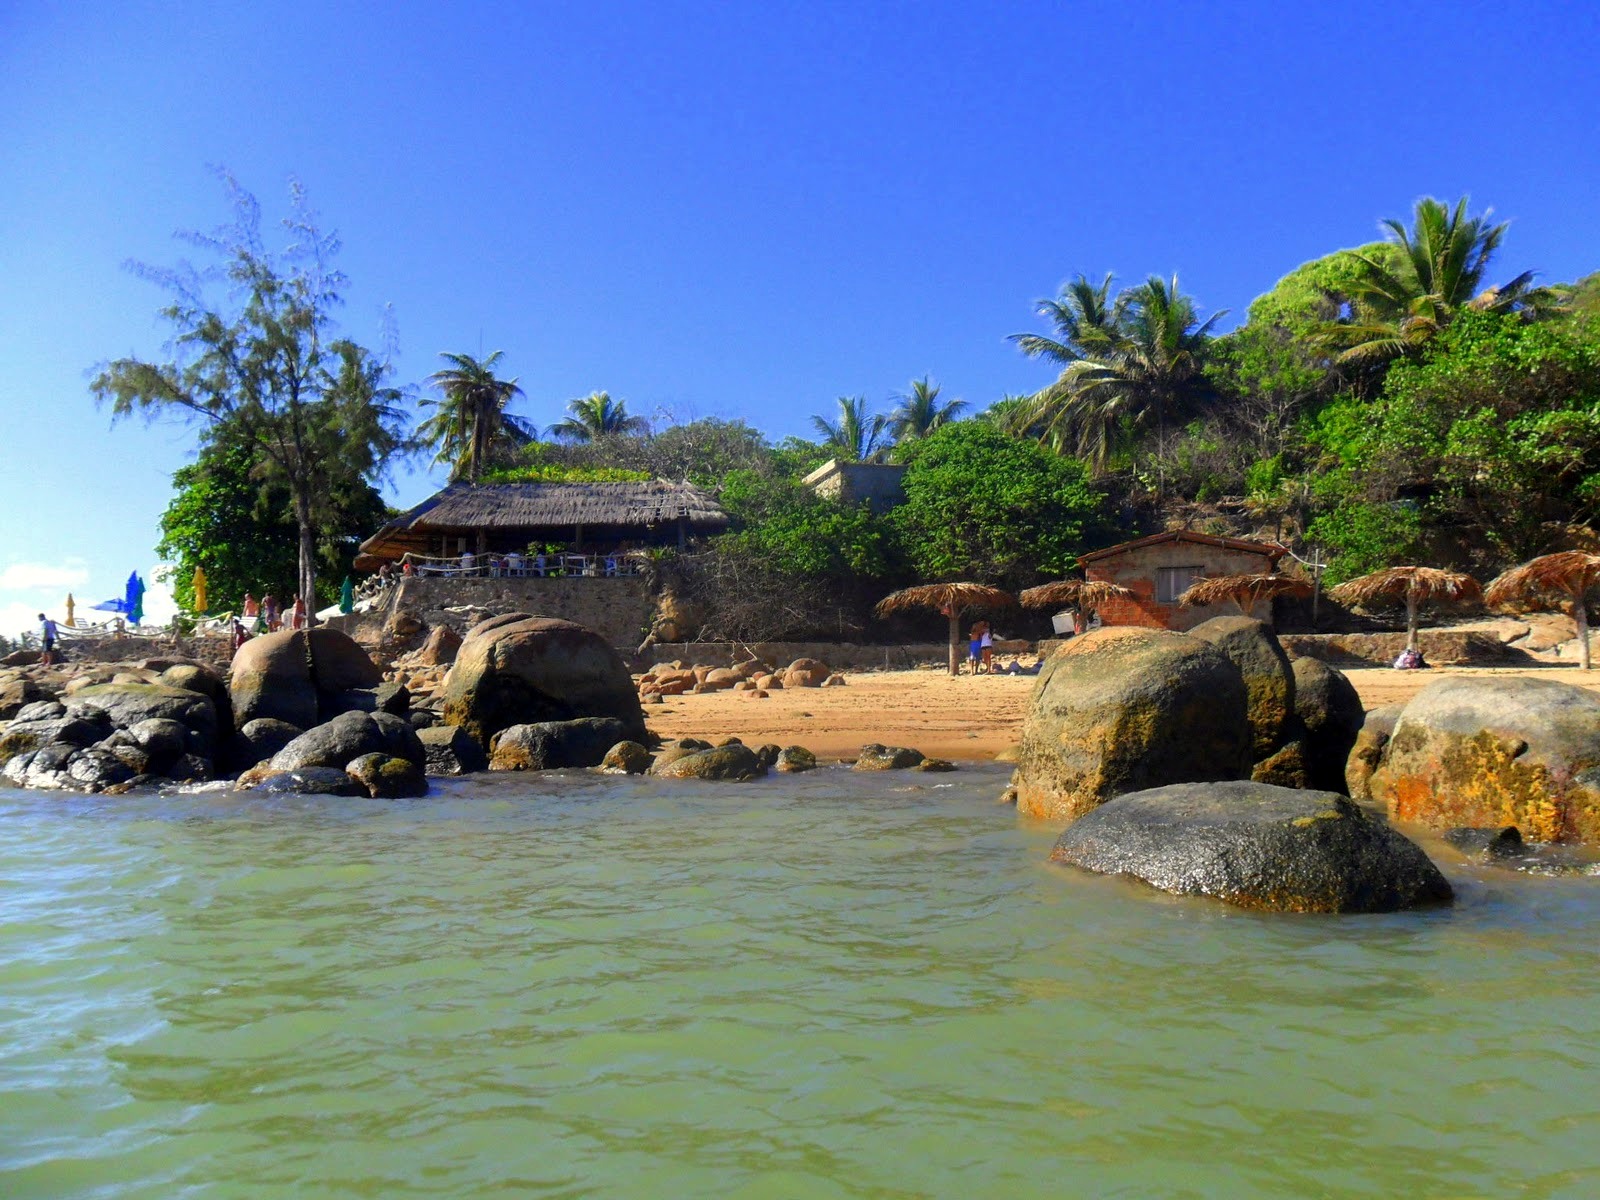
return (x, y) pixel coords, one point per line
(1487, 753)
(1330, 714)
(518, 669)
(1269, 681)
(805, 672)
(127, 704)
(878, 757)
(548, 745)
(1257, 846)
(333, 744)
(298, 676)
(1126, 708)
(258, 741)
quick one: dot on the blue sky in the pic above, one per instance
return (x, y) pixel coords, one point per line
(734, 210)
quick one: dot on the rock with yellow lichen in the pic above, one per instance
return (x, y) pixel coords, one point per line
(1490, 753)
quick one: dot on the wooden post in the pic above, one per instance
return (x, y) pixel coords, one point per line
(955, 635)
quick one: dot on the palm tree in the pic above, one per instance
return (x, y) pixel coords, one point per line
(596, 416)
(858, 435)
(1129, 369)
(1085, 321)
(921, 411)
(471, 422)
(1439, 270)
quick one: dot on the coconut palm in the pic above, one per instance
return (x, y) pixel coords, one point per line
(1085, 321)
(596, 416)
(1552, 581)
(1439, 268)
(921, 411)
(471, 422)
(1133, 370)
(1412, 586)
(858, 436)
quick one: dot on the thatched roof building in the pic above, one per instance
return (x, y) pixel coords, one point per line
(498, 518)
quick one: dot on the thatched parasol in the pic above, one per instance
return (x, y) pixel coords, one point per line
(952, 599)
(1073, 593)
(1244, 590)
(1549, 582)
(1414, 586)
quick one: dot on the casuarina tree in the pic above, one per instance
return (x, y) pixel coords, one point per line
(255, 358)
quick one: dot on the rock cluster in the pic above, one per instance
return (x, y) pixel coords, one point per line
(751, 676)
(1208, 763)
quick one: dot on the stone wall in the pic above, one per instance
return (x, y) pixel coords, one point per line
(841, 656)
(1136, 571)
(880, 485)
(618, 608)
(1440, 647)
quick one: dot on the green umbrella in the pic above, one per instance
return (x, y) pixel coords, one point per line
(347, 596)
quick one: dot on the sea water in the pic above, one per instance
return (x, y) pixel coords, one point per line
(831, 985)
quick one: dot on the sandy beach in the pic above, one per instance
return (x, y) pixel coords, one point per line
(970, 718)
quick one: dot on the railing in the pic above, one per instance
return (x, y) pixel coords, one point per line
(524, 566)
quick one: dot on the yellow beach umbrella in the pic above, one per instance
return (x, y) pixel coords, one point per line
(199, 589)
(72, 606)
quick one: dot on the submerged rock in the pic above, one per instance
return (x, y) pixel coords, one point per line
(387, 778)
(1256, 846)
(721, 764)
(794, 759)
(876, 757)
(448, 750)
(549, 745)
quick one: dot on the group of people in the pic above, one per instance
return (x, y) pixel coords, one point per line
(980, 649)
(267, 615)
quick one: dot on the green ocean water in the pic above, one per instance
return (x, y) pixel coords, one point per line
(822, 986)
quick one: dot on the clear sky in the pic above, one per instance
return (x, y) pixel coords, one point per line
(734, 210)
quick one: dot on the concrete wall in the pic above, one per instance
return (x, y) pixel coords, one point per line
(880, 485)
(1136, 570)
(841, 656)
(618, 609)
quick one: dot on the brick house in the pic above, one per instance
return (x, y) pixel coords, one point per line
(1158, 569)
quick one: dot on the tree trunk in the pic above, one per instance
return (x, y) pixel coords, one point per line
(1580, 615)
(308, 556)
(955, 637)
(1411, 622)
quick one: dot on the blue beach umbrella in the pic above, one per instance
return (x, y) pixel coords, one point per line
(133, 598)
(347, 596)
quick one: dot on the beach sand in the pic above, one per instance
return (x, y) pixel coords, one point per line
(970, 718)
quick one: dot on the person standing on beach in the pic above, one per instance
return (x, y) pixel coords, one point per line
(269, 612)
(297, 614)
(986, 648)
(975, 645)
(47, 641)
(251, 608)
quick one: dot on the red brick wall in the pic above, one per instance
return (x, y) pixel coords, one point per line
(1136, 571)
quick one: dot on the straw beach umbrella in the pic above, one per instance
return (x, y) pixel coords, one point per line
(952, 599)
(1551, 581)
(1244, 590)
(1413, 586)
(1086, 595)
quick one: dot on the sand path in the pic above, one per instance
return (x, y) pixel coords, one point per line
(970, 718)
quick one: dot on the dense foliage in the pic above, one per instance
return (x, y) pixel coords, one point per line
(245, 537)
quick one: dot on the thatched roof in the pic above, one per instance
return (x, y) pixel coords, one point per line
(1089, 593)
(939, 596)
(533, 507)
(1551, 577)
(1244, 590)
(1400, 585)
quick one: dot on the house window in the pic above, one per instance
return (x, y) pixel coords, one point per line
(1172, 582)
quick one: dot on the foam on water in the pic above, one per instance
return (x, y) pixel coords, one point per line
(825, 985)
